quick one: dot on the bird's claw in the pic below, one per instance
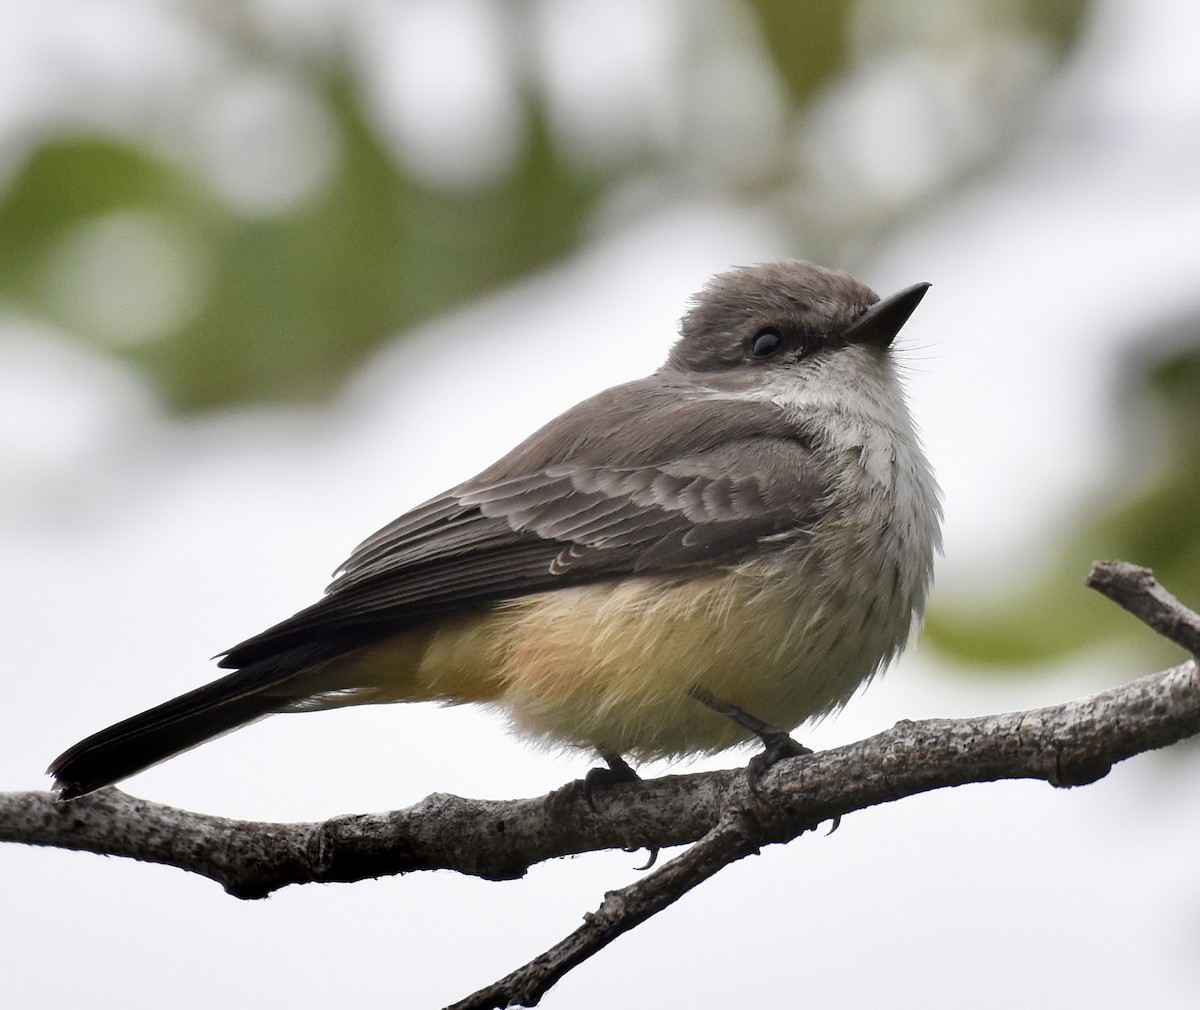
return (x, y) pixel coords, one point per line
(777, 746)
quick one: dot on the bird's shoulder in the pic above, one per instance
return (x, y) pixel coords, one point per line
(660, 417)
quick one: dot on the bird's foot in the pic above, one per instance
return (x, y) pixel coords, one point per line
(777, 745)
(618, 772)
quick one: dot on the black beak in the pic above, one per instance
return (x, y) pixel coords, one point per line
(879, 325)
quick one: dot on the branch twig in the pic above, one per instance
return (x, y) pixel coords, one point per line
(1137, 590)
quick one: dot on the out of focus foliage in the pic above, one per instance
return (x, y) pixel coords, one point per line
(270, 307)
(118, 235)
(1150, 520)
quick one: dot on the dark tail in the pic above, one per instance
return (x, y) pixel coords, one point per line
(166, 730)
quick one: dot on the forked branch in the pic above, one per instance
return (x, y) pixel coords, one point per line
(1066, 745)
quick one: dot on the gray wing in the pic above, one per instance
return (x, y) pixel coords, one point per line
(564, 524)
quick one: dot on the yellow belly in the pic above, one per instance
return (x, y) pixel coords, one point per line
(610, 665)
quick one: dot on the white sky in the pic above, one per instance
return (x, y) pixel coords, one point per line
(133, 548)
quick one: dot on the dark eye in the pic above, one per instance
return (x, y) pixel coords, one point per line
(766, 344)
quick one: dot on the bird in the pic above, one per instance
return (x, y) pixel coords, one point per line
(724, 549)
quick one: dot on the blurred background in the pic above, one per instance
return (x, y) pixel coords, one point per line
(272, 272)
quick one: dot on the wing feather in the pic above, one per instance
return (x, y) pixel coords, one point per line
(567, 522)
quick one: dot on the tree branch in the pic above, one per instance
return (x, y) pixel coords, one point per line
(730, 839)
(1066, 745)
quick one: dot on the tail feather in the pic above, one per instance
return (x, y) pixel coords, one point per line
(143, 740)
